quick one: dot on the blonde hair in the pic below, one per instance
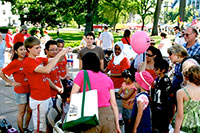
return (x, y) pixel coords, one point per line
(178, 50)
(30, 42)
(193, 75)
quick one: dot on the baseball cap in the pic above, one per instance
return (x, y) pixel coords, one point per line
(144, 79)
(23, 27)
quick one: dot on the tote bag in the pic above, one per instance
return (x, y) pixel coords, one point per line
(83, 109)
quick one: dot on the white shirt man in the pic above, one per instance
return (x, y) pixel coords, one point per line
(106, 39)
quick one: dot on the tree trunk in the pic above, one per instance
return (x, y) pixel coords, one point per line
(91, 8)
(143, 18)
(21, 17)
(114, 20)
(182, 10)
(156, 18)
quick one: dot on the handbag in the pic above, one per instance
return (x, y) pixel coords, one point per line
(83, 109)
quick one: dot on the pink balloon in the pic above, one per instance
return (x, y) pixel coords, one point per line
(140, 42)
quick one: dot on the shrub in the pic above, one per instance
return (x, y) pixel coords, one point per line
(4, 29)
(33, 29)
(72, 44)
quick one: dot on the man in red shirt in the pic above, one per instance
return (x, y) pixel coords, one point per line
(51, 51)
(9, 38)
(9, 44)
(37, 72)
(22, 35)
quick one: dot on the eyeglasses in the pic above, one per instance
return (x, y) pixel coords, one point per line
(51, 50)
(149, 55)
(187, 35)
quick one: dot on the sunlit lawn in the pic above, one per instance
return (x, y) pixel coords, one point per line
(74, 36)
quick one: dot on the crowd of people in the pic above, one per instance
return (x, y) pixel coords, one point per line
(137, 86)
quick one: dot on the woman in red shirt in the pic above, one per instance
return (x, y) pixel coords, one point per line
(117, 65)
(22, 88)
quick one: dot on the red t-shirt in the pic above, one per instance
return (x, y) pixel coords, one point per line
(19, 37)
(40, 89)
(124, 41)
(16, 68)
(54, 76)
(62, 67)
(9, 40)
(124, 64)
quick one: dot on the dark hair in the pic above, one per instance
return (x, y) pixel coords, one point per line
(106, 27)
(90, 34)
(15, 48)
(162, 65)
(48, 43)
(128, 74)
(163, 35)
(156, 52)
(59, 40)
(127, 33)
(177, 28)
(91, 62)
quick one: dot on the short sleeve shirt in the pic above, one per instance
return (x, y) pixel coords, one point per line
(115, 69)
(144, 99)
(62, 67)
(106, 38)
(19, 37)
(55, 78)
(100, 82)
(16, 68)
(96, 50)
(126, 88)
(40, 89)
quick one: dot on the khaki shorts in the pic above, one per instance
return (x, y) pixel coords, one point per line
(106, 122)
(41, 108)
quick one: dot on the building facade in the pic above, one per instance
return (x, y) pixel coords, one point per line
(7, 18)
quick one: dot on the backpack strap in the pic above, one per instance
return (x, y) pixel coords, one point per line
(187, 93)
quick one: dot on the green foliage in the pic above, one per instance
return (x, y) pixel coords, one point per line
(171, 17)
(73, 44)
(32, 31)
(4, 29)
(144, 8)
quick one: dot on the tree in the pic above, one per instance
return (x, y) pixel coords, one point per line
(144, 9)
(156, 17)
(114, 9)
(182, 9)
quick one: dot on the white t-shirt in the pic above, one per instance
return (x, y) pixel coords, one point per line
(167, 44)
(107, 39)
(179, 40)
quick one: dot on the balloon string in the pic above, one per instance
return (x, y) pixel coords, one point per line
(138, 61)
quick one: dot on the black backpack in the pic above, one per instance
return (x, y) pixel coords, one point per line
(195, 57)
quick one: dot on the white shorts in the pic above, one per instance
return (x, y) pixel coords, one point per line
(39, 113)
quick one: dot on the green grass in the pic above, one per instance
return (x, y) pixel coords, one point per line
(73, 38)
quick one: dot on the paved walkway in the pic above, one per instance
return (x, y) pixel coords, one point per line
(8, 107)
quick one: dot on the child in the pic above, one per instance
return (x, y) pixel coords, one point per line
(161, 109)
(188, 103)
(22, 88)
(36, 70)
(140, 117)
(129, 91)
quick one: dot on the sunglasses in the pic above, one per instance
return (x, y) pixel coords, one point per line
(149, 55)
(170, 53)
(187, 35)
